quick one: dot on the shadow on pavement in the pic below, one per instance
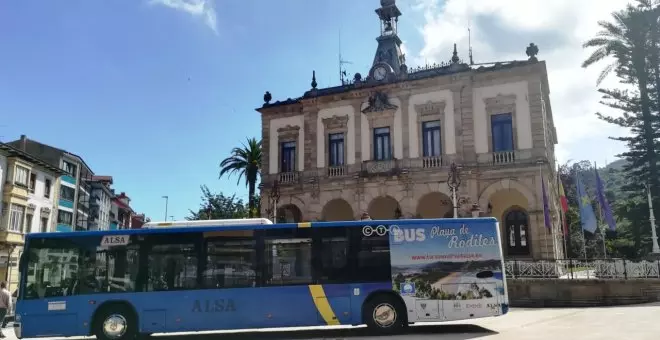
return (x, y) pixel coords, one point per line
(449, 332)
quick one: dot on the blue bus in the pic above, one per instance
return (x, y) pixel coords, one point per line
(244, 274)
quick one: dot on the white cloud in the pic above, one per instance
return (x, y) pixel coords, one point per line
(562, 25)
(202, 9)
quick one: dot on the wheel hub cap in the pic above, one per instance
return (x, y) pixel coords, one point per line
(114, 326)
(384, 315)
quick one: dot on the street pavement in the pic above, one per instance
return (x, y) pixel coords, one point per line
(639, 322)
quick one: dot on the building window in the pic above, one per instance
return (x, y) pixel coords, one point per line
(288, 157)
(16, 215)
(47, 186)
(69, 168)
(21, 175)
(336, 149)
(431, 138)
(502, 131)
(64, 217)
(43, 227)
(517, 232)
(33, 182)
(67, 193)
(28, 223)
(382, 144)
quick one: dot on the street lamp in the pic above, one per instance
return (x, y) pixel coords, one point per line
(654, 236)
(454, 182)
(167, 198)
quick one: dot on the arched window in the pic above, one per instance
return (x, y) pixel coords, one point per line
(289, 213)
(517, 232)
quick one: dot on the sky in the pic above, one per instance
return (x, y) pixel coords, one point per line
(157, 92)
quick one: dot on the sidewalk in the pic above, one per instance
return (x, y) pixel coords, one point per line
(9, 332)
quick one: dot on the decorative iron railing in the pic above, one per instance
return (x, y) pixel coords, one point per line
(583, 269)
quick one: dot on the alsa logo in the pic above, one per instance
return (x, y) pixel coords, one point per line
(409, 235)
(115, 240)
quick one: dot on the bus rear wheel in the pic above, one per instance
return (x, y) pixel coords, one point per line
(385, 314)
(115, 322)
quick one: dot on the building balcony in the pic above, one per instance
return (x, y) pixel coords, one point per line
(65, 203)
(63, 228)
(69, 179)
(11, 237)
(393, 167)
(15, 193)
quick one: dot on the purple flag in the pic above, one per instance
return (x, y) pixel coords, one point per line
(605, 208)
(546, 209)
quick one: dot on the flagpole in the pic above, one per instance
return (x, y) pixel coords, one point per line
(562, 216)
(584, 241)
(600, 218)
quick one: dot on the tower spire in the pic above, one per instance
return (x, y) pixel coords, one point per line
(388, 52)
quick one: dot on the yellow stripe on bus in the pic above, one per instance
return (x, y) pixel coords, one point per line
(305, 225)
(323, 305)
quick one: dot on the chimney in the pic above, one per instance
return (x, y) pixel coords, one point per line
(23, 142)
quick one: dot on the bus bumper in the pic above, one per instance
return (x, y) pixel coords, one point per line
(18, 330)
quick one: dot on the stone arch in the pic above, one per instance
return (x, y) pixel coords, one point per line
(384, 208)
(434, 205)
(289, 213)
(337, 209)
(516, 231)
(505, 185)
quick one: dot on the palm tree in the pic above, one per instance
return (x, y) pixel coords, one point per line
(246, 161)
(627, 40)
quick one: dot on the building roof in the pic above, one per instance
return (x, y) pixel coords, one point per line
(12, 151)
(422, 72)
(18, 144)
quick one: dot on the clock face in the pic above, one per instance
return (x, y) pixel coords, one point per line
(380, 73)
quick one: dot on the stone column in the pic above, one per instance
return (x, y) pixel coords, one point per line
(464, 123)
(310, 139)
(405, 134)
(357, 119)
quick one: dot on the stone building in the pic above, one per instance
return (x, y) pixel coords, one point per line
(384, 143)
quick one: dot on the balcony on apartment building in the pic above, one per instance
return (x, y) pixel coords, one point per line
(10, 229)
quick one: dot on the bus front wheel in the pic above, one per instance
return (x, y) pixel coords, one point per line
(385, 313)
(115, 322)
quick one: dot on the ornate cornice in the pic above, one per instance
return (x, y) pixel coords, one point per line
(335, 122)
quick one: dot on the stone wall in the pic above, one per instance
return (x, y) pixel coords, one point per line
(581, 293)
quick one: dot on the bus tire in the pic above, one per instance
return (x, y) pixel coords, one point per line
(385, 314)
(116, 321)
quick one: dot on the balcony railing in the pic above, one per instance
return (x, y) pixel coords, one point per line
(337, 171)
(433, 162)
(504, 157)
(289, 177)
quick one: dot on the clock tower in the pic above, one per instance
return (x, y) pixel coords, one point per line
(389, 62)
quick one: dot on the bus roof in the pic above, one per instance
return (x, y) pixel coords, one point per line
(255, 226)
(209, 223)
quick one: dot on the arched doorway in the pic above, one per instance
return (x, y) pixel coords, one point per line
(516, 222)
(434, 205)
(384, 208)
(289, 213)
(337, 210)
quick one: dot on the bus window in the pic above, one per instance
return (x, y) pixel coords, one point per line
(230, 263)
(59, 267)
(52, 268)
(334, 266)
(172, 262)
(372, 255)
(288, 257)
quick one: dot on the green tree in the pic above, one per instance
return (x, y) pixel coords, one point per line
(246, 162)
(218, 206)
(628, 41)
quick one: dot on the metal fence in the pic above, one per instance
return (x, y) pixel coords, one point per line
(583, 269)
